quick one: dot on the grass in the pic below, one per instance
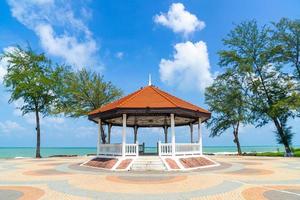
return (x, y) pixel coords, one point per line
(279, 154)
(270, 154)
(297, 152)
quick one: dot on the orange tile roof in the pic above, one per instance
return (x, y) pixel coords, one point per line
(149, 97)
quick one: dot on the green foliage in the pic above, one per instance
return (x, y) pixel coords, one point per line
(227, 102)
(286, 36)
(273, 154)
(43, 89)
(296, 153)
(30, 78)
(82, 92)
(272, 94)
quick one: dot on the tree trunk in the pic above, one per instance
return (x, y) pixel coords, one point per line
(283, 137)
(236, 139)
(38, 135)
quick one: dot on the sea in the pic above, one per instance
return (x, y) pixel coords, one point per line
(20, 152)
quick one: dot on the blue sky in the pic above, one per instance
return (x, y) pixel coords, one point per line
(176, 41)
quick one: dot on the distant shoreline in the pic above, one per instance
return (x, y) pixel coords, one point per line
(29, 152)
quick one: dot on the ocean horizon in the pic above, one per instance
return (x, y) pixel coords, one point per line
(17, 152)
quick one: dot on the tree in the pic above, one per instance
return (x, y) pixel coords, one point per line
(227, 101)
(30, 78)
(286, 38)
(286, 35)
(251, 54)
(82, 92)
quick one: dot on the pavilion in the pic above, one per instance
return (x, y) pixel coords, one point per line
(149, 107)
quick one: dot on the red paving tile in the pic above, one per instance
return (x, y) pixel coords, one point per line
(106, 163)
(124, 164)
(172, 164)
(195, 162)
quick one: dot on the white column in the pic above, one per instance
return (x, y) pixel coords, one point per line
(191, 128)
(200, 135)
(99, 137)
(173, 134)
(124, 135)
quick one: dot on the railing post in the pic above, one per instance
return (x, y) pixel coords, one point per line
(137, 148)
(159, 148)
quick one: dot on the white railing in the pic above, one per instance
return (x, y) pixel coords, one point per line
(187, 149)
(132, 149)
(110, 149)
(116, 149)
(164, 149)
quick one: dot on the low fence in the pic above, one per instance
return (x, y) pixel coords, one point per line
(110, 149)
(131, 149)
(165, 149)
(116, 149)
(187, 149)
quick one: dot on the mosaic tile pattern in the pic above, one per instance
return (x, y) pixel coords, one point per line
(195, 162)
(172, 163)
(124, 164)
(237, 177)
(20, 192)
(106, 163)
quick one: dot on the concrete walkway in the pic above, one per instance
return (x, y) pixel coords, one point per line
(236, 178)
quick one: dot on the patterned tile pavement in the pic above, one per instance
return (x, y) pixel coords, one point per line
(249, 178)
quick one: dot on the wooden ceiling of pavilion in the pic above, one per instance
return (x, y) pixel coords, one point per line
(149, 107)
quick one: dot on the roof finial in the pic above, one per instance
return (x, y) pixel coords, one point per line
(149, 81)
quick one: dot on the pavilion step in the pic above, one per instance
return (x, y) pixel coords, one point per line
(148, 163)
(159, 162)
(148, 167)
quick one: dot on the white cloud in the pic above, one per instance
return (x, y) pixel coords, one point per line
(3, 65)
(4, 62)
(179, 20)
(119, 55)
(30, 117)
(60, 31)
(189, 69)
(9, 126)
(68, 47)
